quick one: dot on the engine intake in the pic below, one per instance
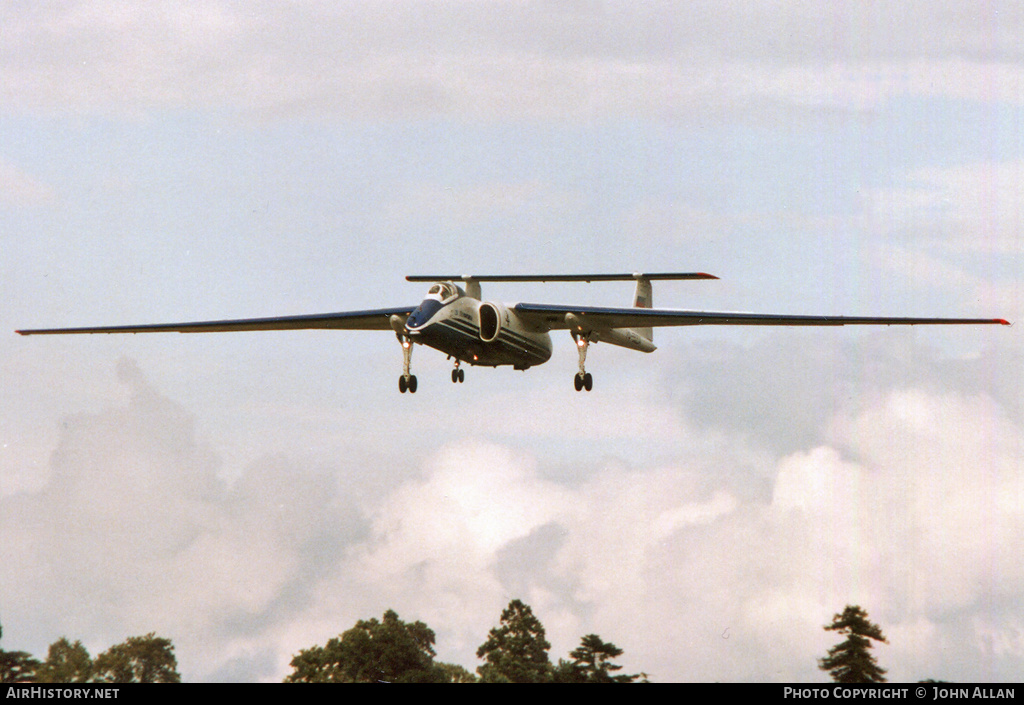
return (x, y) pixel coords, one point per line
(490, 321)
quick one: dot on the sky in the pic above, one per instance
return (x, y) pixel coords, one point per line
(707, 508)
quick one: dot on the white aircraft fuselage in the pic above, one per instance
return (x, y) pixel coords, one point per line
(473, 331)
(478, 333)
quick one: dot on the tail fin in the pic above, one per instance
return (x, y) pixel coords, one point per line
(644, 298)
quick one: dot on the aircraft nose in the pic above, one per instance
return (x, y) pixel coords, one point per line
(421, 315)
(414, 318)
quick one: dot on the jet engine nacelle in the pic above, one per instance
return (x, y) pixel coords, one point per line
(493, 317)
(510, 340)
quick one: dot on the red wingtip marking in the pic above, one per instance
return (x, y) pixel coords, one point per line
(708, 276)
(1003, 321)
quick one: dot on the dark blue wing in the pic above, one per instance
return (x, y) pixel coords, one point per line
(553, 317)
(375, 319)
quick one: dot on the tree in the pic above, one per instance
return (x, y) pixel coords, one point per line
(139, 659)
(592, 663)
(389, 650)
(66, 663)
(851, 661)
(454, 673)
(516, 650)
(17, 666)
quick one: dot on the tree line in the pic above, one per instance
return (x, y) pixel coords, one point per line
(391, 650)
(138, 659)
(516, 651)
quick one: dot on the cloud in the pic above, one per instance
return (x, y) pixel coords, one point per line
(500, 59)
(908, 502)
(973, 208)
(20, 190)
(949, 229)
(135, 531)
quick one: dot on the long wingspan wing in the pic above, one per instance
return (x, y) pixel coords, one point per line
(554, 317)
(376, 319)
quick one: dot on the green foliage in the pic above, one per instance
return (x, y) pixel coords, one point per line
(66, 663)
(139, 659)
(851, 661)
(17, 666)
(516, 650)
(592, 663)
(454, 673)
(391, 651)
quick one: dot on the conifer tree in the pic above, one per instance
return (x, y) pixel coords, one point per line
(851, 661)
(592, 663)
(516, 650)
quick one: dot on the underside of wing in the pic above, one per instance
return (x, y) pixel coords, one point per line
(556, 317)
(376, 319)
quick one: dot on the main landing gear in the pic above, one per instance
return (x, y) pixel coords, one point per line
(583, 379)
(407, 382)
(458, 374)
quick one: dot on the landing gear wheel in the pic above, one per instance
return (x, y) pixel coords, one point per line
(407, 383)
(583, 380)
(462, 376)
(455, 376)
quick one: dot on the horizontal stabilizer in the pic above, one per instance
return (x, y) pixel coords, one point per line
(558, 277)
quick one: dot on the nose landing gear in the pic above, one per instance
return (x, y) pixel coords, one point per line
(458, 374)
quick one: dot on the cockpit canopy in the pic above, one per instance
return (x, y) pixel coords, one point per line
(444, 292)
